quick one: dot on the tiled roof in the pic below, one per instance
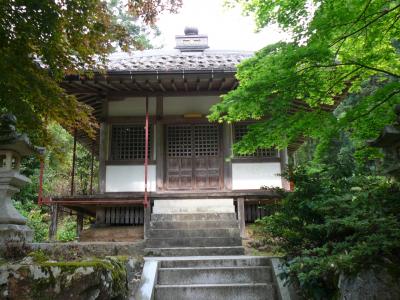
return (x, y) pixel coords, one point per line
(175, 60)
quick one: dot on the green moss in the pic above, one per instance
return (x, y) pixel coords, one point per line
(114, 265)
(39, 256)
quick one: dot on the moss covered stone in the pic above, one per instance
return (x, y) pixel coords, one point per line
(38, 277)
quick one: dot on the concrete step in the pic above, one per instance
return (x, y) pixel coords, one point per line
(216, 262)
(193, 242)
(193, 217)
(244, 291)
(191, 233)
(215, 275)
(193, 224)
(172, 206)
(194, 251)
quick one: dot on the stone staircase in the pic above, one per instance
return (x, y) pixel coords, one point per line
(202, 255)
(194, 227)
(209, 278)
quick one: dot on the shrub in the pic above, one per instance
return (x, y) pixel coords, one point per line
(334, 224)
(67, 229)
(37, 219)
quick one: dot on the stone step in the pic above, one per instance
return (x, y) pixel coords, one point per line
(216, 262)
(194, 251)
(193, 224)
(193, 217)
(244, 291)
(193, 242)
(192, 233)
(172, 206)
(215, 275)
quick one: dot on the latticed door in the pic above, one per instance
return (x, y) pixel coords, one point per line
(193, 159)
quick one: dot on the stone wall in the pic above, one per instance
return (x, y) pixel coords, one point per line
(369, 285)
(37, 277)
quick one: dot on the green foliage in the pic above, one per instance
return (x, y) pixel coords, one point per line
(339, 47)
(43, 41)
(341, 218)
(37, 219)
(67, 229)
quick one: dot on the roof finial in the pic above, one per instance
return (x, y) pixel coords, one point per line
(191, 30)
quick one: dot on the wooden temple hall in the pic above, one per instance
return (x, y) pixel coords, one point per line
(155, 144)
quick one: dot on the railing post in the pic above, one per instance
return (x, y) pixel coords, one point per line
(73, 165)
(91, 170)
(53, 222)
(241, 217)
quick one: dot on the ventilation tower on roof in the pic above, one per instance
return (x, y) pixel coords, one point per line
(192, 41)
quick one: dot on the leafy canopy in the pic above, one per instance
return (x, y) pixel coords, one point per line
(338, 48)
(41, 41)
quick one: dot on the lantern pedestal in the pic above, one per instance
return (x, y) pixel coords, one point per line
(12, 225)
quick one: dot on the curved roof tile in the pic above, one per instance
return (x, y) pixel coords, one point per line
(175, 60)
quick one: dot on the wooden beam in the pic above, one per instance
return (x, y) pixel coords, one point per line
(210, 84)
(137, 85)
(173, 85)
(221, 87)
(117, 96)
(160, 84)
(149, 87)
(198, 84)
(106, 86)
(185, 83)
(234, 84)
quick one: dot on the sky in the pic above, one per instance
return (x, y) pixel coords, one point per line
(227, 28)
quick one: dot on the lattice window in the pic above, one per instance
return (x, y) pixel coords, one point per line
(206, 140)
(128, 142)
(179, 141)
(239, 131)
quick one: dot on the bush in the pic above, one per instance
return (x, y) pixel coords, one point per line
(334, 224)
(67, 229)
(37, 219)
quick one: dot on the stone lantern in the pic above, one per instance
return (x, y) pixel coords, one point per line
(389, 141)
(13, 147)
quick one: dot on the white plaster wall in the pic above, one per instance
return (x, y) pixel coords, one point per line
(255, 175)
(130, 107)
(129, 178)
(184, 105)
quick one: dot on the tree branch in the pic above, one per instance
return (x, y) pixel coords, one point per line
(385, 12)
(387, 98)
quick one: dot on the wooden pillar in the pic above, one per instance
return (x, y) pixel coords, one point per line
(72, 192)
(227, 153)
(53, 222)
(241, 217)
(284, 163)
(102, 157)
(79, 224)
(146, 223)
(100, 216)
(159, 145)
(92, 170)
